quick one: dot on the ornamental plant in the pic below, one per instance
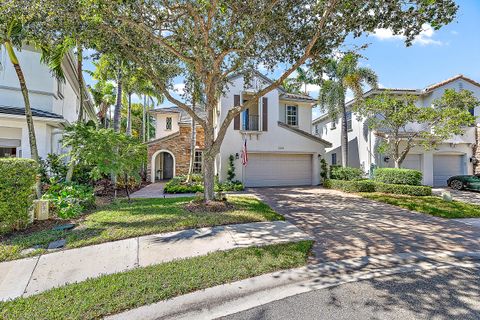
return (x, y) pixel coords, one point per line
(17, 192)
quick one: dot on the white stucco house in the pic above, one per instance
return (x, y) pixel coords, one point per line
(453, 157)
(54, 103)
(281, 149)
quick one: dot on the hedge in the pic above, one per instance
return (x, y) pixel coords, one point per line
(398, 176)
(350, 186)
(347, 173)
(372, 186)
(403, 189)
(17, 192)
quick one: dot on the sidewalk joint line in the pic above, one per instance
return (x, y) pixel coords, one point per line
(31, 275)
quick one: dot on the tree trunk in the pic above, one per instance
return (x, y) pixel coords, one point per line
(144, 116)
(129, 115)
(80, 80)
(344, 137)
(209, 176)
(71, 165)
(118, 105)
(28, 110)
(147, 124)
(192, 147)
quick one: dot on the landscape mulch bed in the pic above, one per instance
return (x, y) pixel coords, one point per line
(209, 206)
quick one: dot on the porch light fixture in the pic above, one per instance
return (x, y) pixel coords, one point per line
(237, 156)
(386, 159)
(473, 160)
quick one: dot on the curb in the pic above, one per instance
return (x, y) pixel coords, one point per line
(249, 293)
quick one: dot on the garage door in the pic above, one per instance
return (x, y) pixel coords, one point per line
(444, 167)
(413, 161)
(269, 170)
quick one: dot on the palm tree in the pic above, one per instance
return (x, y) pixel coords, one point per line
(343, 74)
(103, 94)
(11, 37)
(303, 78)
(291, 85)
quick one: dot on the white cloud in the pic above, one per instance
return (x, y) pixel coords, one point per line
(179, 88)
(424, 38)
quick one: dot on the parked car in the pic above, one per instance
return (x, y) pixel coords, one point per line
(468, 182)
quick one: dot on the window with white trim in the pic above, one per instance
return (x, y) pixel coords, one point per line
(197, 162)
(349, 121)
(334, 159)
(333, 125)
(316, 129)
(168, 125)
(292, 115)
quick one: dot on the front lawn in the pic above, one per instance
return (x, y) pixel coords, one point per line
(435, 206)
(96, 298)
(141, 217)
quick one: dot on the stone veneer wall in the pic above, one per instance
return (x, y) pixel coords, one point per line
(476, 151)
(179, 145)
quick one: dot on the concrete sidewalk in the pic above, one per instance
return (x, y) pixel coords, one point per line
(33, 275)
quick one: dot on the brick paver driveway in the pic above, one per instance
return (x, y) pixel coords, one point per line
(347, 226)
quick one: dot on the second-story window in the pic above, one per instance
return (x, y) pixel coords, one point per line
(333, 125)
(349, 121)
(292, 115)
(316, 129)
(168, 125)
(60, 88)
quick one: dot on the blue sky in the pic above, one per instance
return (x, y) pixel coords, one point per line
(434, 56)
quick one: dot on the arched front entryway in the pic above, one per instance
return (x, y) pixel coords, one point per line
(163, 165)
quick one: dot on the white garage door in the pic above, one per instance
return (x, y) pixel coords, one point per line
(269, 170)
(413, 161)
(444, 167)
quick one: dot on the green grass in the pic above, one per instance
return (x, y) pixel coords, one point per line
(96, 298)
(434, 206)
(141, 217)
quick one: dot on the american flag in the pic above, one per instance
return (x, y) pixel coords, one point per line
(244, 153)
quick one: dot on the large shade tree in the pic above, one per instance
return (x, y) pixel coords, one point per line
(343, 74)
(218, 38)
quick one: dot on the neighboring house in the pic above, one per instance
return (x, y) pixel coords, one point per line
(453, 157)
(281, 149)
(54, 103)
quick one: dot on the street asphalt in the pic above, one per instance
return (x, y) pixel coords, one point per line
(452, 293)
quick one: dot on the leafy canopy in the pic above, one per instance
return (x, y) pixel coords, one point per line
(398, 119)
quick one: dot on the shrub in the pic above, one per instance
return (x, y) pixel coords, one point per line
(403, 189)
(179, 185)
(229, 186)
(398, 176)
(372, 186)
(68, 200)
(323, 169)
(17, 192)
(350, 186)
(347, 173)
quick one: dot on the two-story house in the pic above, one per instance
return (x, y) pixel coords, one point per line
(281, 149)
(453, 157)
(54, 103)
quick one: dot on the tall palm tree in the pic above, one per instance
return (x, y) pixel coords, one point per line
(303, 78)
(103, 93)
(12, 36)
(343, 74)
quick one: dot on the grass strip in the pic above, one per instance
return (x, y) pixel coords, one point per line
(434, 206)
(110, 294)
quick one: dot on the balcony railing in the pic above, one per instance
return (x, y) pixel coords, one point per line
(251, 123)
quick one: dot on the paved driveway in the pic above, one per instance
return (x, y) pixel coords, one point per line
(460, 195)
(347, 226)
